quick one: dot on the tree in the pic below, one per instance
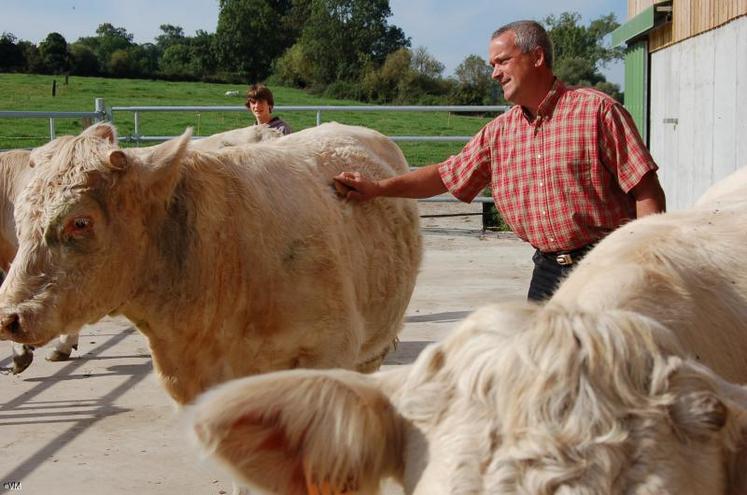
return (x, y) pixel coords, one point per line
(203, 53)
(30, 52)
(83, 61)
(423, 63)
(581, 51)
(177, 61)
(53, 52)
(247, 39)
(109, 39)
(341, 36)
(11, 55)
(172, 35)
(474, 84)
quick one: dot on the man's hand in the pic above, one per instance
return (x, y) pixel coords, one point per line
(352, 185)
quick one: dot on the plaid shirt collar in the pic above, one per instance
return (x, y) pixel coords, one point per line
(548, 104)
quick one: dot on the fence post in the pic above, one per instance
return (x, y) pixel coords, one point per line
(318, 117)
(52, 133)
(137, 128)
(100, 110)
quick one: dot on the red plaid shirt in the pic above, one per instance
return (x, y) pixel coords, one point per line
(562, 180)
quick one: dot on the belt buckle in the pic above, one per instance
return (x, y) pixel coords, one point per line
(564, 259)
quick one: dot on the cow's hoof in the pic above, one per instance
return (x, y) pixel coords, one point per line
(56, 355)
(22, 361)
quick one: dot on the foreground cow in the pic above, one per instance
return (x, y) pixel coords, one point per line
(231, 263)
(600, 391)
(16, 171)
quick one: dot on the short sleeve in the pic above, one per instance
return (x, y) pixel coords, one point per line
(622, 148)
(465, 175)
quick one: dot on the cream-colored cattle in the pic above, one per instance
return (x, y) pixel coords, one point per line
(603, 390)
(231, 263)
(16, 172)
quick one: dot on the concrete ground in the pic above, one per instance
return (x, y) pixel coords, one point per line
(101, 423)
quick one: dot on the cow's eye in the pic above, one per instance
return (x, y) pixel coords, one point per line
(81, 223)
(78, 227)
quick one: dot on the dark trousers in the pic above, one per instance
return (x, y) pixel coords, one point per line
(548, 273)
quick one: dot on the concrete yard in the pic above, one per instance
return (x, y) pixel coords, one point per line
(100, 423)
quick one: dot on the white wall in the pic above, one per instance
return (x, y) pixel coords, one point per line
(702, 83)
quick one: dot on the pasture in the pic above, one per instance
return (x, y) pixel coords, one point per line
(34, 92)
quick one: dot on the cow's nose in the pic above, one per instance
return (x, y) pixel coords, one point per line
(11, 324)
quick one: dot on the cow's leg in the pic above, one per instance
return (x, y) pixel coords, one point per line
(63, 348)
(22, 356)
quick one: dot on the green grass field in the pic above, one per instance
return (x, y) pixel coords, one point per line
(34, 92)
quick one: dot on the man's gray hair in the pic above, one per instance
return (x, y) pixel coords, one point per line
(529, 35)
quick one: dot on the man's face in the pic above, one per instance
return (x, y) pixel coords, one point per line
(515, 71)
(261, 110)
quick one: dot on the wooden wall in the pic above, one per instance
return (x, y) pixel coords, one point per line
(689, 18)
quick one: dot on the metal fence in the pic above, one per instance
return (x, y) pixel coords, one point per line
(138, 137)
(101, 113)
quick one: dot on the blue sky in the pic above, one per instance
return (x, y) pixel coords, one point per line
(449, 29)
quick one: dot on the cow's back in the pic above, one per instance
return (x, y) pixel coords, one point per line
(685, 269)
(370, 251)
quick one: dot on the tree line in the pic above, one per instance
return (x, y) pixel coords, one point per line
(338, 48)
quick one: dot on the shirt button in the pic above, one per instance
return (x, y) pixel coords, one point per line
(539, 156)
(552, 240)
(541, 183)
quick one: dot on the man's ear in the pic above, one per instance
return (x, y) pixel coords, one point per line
(293, 432)
(539, 56)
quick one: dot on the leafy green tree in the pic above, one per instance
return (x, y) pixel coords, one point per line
(581, 51)
(203, 53)
(53, 52)
(172, 35)
(83, 60)
(121, 64)
(474, 84)
(108, 40)
(177, 61)
(292, 68)
(247, 39)
(424, 63)
(145, 59)
(11, 55)
(341, 36)
(34, 64)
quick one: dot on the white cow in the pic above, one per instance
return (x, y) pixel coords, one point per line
(231, 263)
(604, 389)
(15, 173)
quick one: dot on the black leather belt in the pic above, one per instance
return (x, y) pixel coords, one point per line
(566, 258)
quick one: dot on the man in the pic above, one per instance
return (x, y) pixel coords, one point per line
(566, 166)
(260, 102)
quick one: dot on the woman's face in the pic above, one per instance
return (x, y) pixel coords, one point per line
(261, 110)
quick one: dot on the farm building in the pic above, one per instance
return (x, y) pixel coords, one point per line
(686, 86)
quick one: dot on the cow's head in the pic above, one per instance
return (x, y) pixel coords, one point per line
(81, 226)
(515, 401)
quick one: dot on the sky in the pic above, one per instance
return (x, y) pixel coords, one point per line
(450, 30)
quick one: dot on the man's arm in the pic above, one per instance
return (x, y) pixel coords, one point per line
(649, 196)
(421, 183)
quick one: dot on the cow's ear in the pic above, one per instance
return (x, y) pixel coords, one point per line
(161, 168)
(104, 130)
(296, 432)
